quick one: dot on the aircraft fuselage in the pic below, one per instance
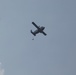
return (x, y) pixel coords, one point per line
(41, 29)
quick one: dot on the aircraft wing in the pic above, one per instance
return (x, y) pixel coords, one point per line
(44, 33)
(35, 25)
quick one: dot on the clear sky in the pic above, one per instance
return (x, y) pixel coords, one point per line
(54, 54)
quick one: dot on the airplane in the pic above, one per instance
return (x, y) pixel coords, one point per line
(39, 30)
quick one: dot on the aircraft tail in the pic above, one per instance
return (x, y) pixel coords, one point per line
(33, 33)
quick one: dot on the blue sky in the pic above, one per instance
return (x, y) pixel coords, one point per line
(54, 54)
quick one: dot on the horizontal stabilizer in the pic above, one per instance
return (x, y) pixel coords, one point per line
(33, 33)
